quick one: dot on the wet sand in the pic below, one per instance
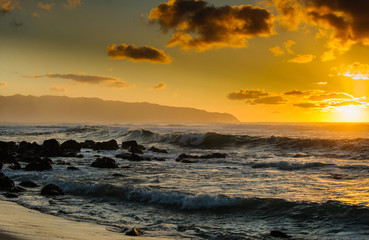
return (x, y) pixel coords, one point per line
(17, 222)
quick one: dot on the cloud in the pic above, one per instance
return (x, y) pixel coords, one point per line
(45, 6)
(58, 88)
(355, 71)
(331, 96)
(8, 5)
(321, 83)
(277, 51)
(347, 21)
(160, 86)
(72, 4)
(88, 79)
(273, 100)
(307, 105)
(3, 84)
(302, 58)
(288, 45)
(244, 94)
(299, 93)
(201, 26)
(347, 103)
(144, 53)
(35, 14)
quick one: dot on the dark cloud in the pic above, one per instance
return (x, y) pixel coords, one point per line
(144, 53)
(331, 96)
(348, 21)
(160, 86)
(307, 105)
(113, 82)
(199, 25)
(244, 94)
(298, 93)
(273, 100)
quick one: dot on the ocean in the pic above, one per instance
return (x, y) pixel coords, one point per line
(307, 180)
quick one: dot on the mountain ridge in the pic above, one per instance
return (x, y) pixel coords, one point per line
(63, 109)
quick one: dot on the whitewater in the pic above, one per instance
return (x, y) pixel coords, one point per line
(308, 180)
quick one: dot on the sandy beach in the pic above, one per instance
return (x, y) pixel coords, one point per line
(18, 222)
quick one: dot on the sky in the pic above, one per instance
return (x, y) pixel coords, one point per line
(262, 61)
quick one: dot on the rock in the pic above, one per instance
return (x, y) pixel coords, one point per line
(123, 155)
(157, 150)
(187, 161)
(135, 150)
(278, 234)
(109, 145)
(215, 155)
(118, 175)
(41, 165)
(51, 190)
(158, 159)
(51, 148)
(29, 148)
(134, 232)
(135, 158)
(11, 195)
(7, 146)
(73, 168)
(71, 145)
(61, 162)
(127, 144)
(104, 162)
(28, 184)
(88, 144)
(6, 183)
(15, 165)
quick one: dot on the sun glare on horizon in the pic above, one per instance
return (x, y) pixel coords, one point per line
(350, 113)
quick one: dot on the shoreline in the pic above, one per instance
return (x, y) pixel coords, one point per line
(20, 223)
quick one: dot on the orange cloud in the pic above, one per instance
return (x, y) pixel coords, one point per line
(331, 96)
(288, 45)
(277, 51)
(347, 21)
(45, 6)
(72, 4)
(3, 84)
(144, 53)
(307, 105)
(355, 71)
(244, 94)
(302, 58)
(201, 26)
(299, 93)
(8, 5)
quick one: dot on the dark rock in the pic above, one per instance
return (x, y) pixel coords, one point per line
(127, 144)
(6, 183)
(214, 155)
(61, 162)
(71, 145)
(80, 156)
(123, 155)
(69, 153)
(135, 150)
(11, 195)
(109, 145)
(118, 175)
(187, 161)
(41, 165)
(62, 212)
(28, 184)
(88, 144)
(7, 146)
(134, 232)
(51, 190)
(104, 162)
(52, 148)
(30, 148)
(278, 234)
(157, 150)
(15, 165)
(135, 158)
(158, 159)
(73, 168)
(1, 165)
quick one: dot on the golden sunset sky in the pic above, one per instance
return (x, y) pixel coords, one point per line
(265, 61)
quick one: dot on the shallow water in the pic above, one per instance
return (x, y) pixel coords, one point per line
(308, 180)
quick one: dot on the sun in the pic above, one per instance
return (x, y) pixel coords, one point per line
(350, 113)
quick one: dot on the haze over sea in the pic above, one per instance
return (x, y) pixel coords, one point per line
(236, 181)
